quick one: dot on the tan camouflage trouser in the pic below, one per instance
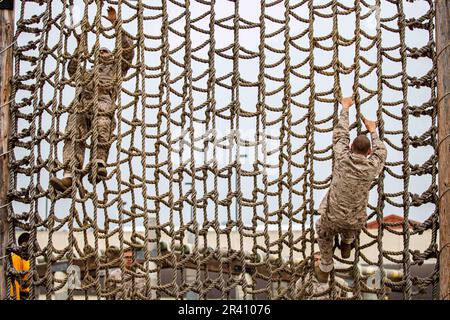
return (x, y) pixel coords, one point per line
(315, 292)
(81, 124)
(125, 288)
(326, 232)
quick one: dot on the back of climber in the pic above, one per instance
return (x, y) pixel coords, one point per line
(343, 209)
(81, 118)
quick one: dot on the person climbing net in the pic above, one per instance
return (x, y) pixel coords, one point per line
(81, 119)
(343, 209)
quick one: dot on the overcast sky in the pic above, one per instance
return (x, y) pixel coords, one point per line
(249, 10)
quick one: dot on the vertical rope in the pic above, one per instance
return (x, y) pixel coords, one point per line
(157, 108)
(310, 130)
(405, 168)
(380, 185)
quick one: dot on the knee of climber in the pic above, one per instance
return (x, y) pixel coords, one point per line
(317, 224)
(322, 231)
(106, 111)
(78, 156)
(104, 130)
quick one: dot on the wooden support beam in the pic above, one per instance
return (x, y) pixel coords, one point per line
(6, 68)
(443, 85)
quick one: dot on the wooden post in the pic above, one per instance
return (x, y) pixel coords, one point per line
(443, 84)
(6, 68)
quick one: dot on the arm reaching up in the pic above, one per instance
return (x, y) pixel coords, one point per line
(341, 136)
(379, 152)
(126, 43)
(127, 52)
(73, 63)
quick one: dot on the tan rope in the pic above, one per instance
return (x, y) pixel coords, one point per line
(177, 83)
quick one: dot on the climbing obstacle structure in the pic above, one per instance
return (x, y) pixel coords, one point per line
(222, 149)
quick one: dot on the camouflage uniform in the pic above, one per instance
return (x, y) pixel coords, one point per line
(132, 285)
(81, 115)
(343, 209)
(315, 292)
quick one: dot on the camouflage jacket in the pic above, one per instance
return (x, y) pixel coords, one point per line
(316, 291)
(107, 77)
(353, 175)
(132, 285)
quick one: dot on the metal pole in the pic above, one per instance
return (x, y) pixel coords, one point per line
(6, 67)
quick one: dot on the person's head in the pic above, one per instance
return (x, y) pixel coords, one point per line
(23, 238)
(128, 257)
(361, 145)
(22, 241)
(112, 253)
(105, 52)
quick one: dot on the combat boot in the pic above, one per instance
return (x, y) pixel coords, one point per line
(320, 275)
(61, 185)
(346, 249)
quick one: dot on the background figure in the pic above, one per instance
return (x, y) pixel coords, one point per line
(21, 263)
(81, 118)
(316, 291)
(126, 286)
(343, 209)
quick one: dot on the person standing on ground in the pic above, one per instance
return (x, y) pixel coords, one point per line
(127, 285)
(21, 263)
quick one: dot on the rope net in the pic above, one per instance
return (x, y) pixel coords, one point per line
(220, 153)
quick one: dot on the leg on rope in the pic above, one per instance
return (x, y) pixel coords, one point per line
(343, 209)
(78, 125)
(82, 121)
(325, 232)
(347, 239)
(106, 125)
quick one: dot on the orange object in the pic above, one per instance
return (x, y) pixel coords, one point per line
(20, 264)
